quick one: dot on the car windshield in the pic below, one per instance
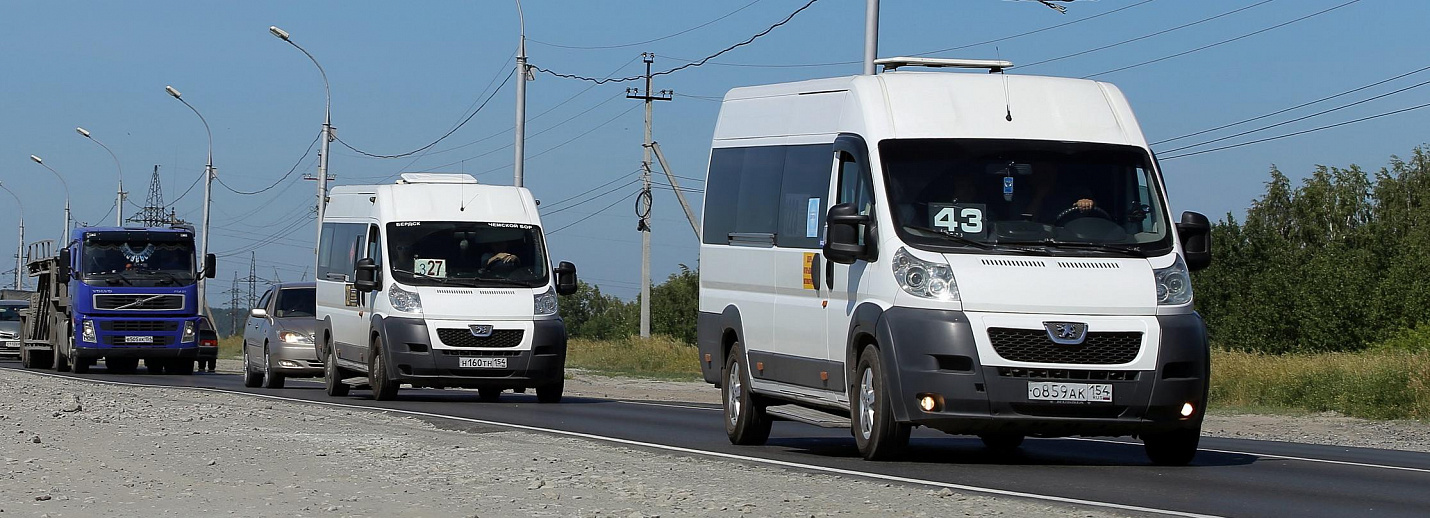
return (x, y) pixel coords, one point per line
(9, 313)
(138, 262)
(967, 195)
(295, 302)
(441, 253)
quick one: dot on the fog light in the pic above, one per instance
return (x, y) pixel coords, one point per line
(288, 363)
(1187, 409)
(930, 402)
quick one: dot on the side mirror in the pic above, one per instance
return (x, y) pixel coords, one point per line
(258, 313)
(1196, 234)
(209, 263)
(841, 235)
(366, 279)
(63, 269)
(565, 278)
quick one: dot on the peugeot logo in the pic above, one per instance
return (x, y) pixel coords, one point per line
(1066, 333)
(481, 330)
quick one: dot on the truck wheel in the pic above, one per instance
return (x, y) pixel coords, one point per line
(121, 365)
(488, 395)
(383, 387)
(745, 419)
(81, 365)
(333, 376)
(250, 379)
(1173, 448)
(876, 433)
(271, 380)
(551, 392)
(60, 362)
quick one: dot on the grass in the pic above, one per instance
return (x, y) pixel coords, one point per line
(1380, 383)
(657, 357)
(230, 347)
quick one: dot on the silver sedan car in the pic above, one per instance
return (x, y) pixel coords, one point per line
(10, 327)
(278, 341)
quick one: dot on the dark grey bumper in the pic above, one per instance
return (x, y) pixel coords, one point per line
(415, 362)
(137, 352)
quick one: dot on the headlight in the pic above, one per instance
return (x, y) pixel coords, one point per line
(7, 335)
(88, 332)
(924, 279)
(544, 303)
(403, 300)
(295, 338)
(189, 332)
(1174, 284)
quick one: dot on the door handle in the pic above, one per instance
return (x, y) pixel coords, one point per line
(829, 274)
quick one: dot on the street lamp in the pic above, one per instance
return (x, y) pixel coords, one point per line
(19, 249)
(119, 195)
(209, 174)
(326, 136)
(64, 239)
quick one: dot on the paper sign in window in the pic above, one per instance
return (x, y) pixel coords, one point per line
(431, 267)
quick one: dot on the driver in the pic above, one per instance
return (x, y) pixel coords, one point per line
(1049, 200)
(499, 258)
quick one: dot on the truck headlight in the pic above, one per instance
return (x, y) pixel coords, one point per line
(544, 303)
(190, 332)
(295, 338)
(924, 279)
(1174, 284)
(87, 332)
(403, 300)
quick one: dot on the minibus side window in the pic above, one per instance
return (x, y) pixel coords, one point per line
(855, 187)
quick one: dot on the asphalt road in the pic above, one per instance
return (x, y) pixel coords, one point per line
(1230, 477)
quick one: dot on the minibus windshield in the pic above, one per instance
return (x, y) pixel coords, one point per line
(460, 253)
(977, 195)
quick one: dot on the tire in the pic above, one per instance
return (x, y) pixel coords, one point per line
(1173, 448)
(121, 365)
(745, 420)
(60, 362)
(551, 392)
(250, 379)
(489, 395)
(180, 366)
(33, 360)
(1002, 442)
(876, 433)
(81, 365)
(383, 387)
(333, 376)
(271, 380)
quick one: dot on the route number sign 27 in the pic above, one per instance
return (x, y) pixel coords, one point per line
(963, 219)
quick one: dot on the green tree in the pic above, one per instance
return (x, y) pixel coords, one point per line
(675, 304)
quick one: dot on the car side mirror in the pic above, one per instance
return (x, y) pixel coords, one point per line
(258, 313)
(841, 235)
(366, 279)
(565, 278)
(1196, 235)
(63, 268)
(210, 261)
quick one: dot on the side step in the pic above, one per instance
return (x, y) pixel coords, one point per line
(357, 383)
(807, 416)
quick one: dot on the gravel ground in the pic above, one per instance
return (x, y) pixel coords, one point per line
(73, 448)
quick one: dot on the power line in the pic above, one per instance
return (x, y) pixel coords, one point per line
(1302, 132)
(533, 135)
(1222, 42)
(589, 216)
(639, 43)
(690, 64)
(593, 189)
(568, 141)
(280, 180)
(439, 139)
(1145, 36)
(593, 198)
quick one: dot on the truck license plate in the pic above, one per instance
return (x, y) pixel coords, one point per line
(138, 339)
(1044, 391)
(482, 363)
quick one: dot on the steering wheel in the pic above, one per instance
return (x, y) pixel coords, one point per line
(1074, 211)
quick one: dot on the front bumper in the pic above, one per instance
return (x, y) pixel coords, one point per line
(416, 361)
(934, 353)
(164, 337)
(296, 360)
(10, 347)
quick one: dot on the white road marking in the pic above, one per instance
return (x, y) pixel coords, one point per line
(1275, 456)
(679, 449)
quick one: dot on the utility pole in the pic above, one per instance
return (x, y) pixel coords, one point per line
(643, 205)
(233, 306)
(522, 70)
(252, 279)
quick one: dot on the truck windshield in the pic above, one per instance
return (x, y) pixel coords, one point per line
(979, 195)
(137, 262)
(443, 253)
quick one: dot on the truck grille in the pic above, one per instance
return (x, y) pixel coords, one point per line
(1034, 346)
(159, 341)
(139, 302)
(464, 338)
(140, 325)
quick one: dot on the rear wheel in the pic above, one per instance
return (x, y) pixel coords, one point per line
(60, 362)
(551, 392)
(876, 433)
(383, 387)
(333, 376)
(271, 380)
(745, 419)
(250, 379)
(1173, 448)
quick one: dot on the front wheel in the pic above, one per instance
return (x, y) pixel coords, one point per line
(383, 387)
(61, 362)
(1173, 448)
(271, 380)
(250, 379)
(877, 434)
(745, 419)
(333, 376)
(551, 393)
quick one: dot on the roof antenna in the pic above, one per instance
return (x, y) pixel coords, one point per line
(1007, 102)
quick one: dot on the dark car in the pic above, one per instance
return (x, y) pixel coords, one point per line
(208, 346)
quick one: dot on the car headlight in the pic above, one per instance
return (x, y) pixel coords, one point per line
(924, 279)
(403, 300)
(544, 303)
(1174, 284)
(87, 332)
(295, 338)
(7, 335)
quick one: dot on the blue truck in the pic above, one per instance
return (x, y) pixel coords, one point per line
(115, 294)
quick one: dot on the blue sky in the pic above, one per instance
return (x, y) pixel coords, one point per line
(403, 73)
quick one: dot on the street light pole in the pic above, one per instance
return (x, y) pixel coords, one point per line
(521, 71)
(326, 136)
(871, 36)
(20, 249)
(119, 195)
(65, 237)
(209, 174)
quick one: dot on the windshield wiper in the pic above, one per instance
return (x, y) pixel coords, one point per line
(117, 278)
(442, 280)
(1100, 247)
(505, 282)
(173, 279)
(977, 244)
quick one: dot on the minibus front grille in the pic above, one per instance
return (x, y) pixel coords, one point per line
(449, 352)
(1034, 346)
(1067, 374)
(465, 338)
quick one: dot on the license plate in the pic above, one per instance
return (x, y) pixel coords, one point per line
(138, 339)
(1043, 391)
(12, 345)
(482, 363)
